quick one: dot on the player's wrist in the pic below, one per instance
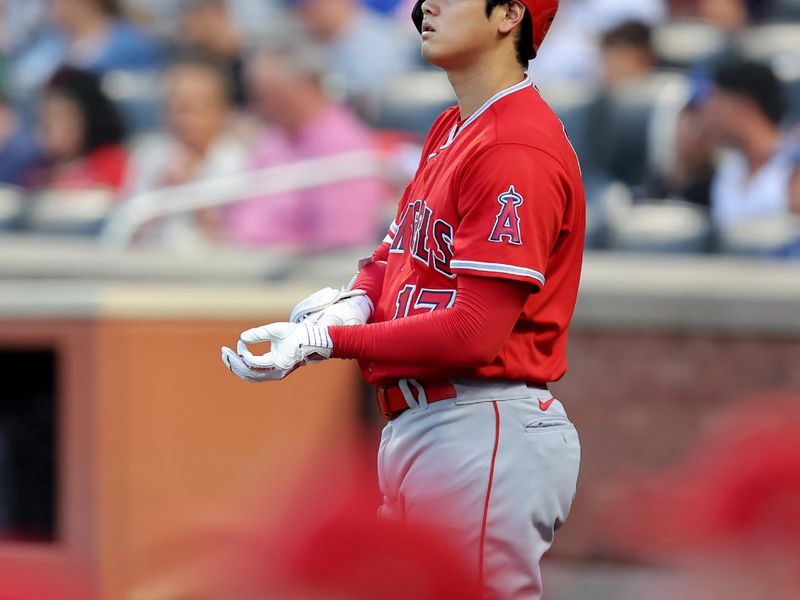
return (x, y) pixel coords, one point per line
(343, 339)
(335, 335)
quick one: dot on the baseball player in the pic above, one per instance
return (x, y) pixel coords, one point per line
(460, 317)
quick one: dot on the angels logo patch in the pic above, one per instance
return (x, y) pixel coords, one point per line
(506, 226)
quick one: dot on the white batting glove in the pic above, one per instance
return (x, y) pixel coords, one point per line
(330, 306)
(292, 346)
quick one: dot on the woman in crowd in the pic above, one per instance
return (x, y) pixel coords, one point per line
(81, 133)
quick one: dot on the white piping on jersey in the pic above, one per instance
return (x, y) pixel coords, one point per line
(502, 94)
(497, 268)
(393, 228)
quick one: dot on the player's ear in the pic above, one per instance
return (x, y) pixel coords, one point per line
(512, 16)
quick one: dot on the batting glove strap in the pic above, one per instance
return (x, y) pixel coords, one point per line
(314, 307)
(314, 342)
(355, 310)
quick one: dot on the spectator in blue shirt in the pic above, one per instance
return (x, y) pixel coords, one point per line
(18, 148)
(385, 7)
(89, 34)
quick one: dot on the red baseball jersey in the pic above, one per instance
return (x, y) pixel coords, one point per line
(497, 195)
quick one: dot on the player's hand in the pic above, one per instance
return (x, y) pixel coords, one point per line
(292, 346)
(330, 306)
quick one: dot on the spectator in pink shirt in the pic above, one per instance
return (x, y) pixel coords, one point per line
(302, 122)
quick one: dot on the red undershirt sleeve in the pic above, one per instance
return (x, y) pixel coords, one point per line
(470, 333)
(370, 276)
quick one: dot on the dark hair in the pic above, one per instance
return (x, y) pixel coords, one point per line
(112, 8)
(524, 40)
(102, 123)
(630, 33)
(755, 80)
(758, 9)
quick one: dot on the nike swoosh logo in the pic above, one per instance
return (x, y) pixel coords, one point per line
(543, 406)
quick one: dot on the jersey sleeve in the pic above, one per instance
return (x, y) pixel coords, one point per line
(511, 202)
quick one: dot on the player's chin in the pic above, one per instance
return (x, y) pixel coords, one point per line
(434, 55)
(425, 50)
(446, 56)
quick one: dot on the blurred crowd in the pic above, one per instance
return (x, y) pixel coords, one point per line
(683, 112)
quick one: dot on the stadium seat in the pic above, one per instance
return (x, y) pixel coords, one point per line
(683, 43)
(69, 212)
(11, 207)
(762, 237)
(771, 41)
(667, 226)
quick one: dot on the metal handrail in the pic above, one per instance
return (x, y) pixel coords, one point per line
(126, 221)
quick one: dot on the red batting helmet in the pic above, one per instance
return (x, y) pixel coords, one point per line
(542, 13)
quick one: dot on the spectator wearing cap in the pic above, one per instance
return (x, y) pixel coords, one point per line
(89, 34)
(201, 142)
(745, 108)
(82, 136)
(364, 50)
(302, 123)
